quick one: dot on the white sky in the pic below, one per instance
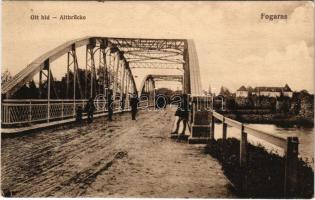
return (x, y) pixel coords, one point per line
(235, 47)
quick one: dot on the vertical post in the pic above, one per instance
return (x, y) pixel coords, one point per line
(9, 114)
(212, 127)
(122, 80)
(154, 103)
(128, 84)
(48, 95)
(127, 89)
(193, 112)
(150, 92)
(224, 135)
(74, 77)
(243, 159)
(102, 58)
(4, 113)
(108, 64)
(126, 81)
(291, 163)
(186, 77)
(183, 80)
(40, 85)
(68, 78)
(116, 68)
(30, 111)
(92, 71)
(86, 71)
(224, 129)
(243, 148)
(105, 83)
(62, 107)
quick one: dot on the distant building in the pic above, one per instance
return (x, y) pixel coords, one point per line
(265, 91)
(287, 91)
(273, 91)
(242, 92)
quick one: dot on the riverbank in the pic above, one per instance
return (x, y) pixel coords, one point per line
(283, 120)
(265, 170)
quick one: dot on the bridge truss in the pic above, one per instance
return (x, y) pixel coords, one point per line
(109, 65)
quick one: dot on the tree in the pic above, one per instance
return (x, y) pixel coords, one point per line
(224, 91)
(5, 76)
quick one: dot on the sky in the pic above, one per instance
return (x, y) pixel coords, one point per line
(235, 46)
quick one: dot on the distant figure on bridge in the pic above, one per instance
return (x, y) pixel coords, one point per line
(89, 109)
(110, 104)
(123, 99)
(182, 114)
(78, 117)
(134, 105)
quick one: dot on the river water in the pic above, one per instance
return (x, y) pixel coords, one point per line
(306, 137)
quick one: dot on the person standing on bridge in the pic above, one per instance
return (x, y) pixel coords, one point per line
(134, 105)
(89, 108)
(110, 104)
(78, 117)
(182, 113)
(122, 101)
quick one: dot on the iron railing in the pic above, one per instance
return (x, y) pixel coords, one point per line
(26, 111)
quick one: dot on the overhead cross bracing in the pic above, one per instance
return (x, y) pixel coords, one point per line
(150, 81)
(177, 78)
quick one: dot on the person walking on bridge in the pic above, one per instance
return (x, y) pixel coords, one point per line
(182, 114)
(134, 105)
(89, 108)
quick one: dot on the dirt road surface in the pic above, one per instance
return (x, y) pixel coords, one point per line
(123, 158)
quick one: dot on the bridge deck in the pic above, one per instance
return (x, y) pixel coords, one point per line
(122, 158)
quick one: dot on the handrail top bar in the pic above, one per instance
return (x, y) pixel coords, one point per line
(9, 100)
(36, 100)
(218, 116)
(273, 139)
(233, 122)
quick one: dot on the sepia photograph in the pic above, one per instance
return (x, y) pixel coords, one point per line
(157, 99)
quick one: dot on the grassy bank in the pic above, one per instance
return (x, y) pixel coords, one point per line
(265, 170)
(271, 118)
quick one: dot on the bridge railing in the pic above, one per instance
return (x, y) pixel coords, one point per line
(28, 111)
(288, 144)
(17, 112)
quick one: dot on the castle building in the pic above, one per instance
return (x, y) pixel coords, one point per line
(266, 91)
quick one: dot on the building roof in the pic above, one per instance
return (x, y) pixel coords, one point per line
(268, 89)
(242, 88)
(286, 88)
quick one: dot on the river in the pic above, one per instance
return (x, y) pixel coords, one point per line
(306, 137)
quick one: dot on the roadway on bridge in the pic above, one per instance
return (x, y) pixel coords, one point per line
(122, 158)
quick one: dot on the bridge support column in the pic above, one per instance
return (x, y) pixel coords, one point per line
(200, 122)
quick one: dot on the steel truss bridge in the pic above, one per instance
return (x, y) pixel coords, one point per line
(109, 64)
